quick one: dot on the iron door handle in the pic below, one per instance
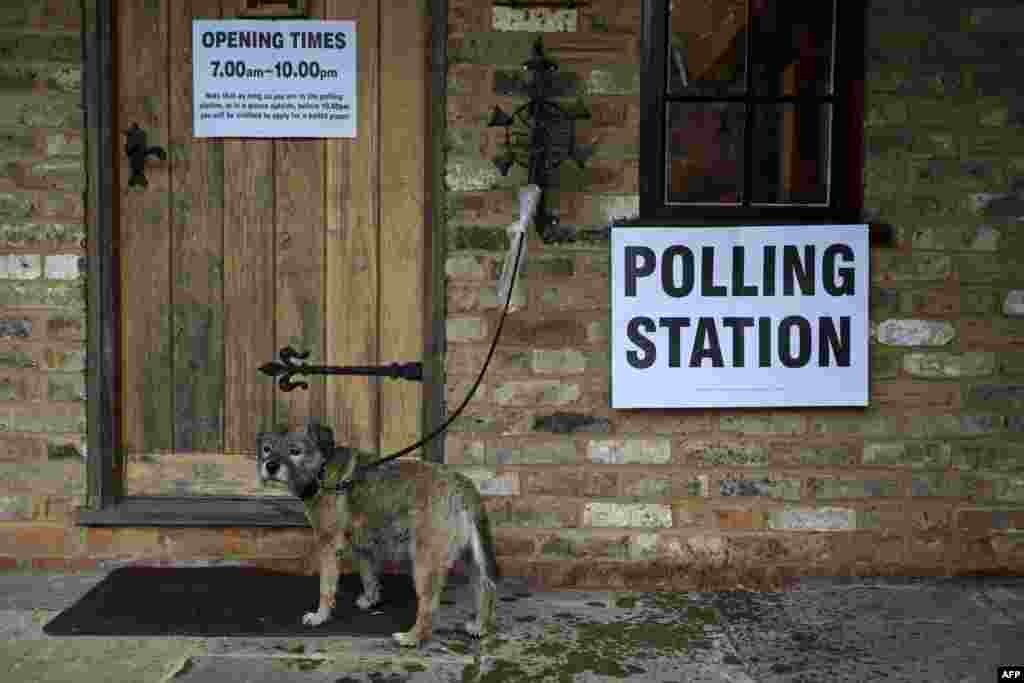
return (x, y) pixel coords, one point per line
(137, 149)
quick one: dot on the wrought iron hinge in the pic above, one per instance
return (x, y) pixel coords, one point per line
(286, 368)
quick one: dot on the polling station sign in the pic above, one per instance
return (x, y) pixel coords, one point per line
(753, 316)
(271, 79)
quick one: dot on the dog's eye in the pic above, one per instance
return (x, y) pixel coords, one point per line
(295, 451)
(266, 450)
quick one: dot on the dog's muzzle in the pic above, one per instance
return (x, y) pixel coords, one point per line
(272, 470)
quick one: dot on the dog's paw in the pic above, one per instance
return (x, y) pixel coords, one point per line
(366, 600)
(407, 639)
(474, 628)
(314, 618)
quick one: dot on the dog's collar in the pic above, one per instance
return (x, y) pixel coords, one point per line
(331, 477)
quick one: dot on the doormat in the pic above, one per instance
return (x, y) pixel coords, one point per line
(229, 601)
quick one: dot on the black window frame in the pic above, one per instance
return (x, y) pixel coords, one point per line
(846, 195)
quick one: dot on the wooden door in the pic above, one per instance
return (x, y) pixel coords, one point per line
(238, 247)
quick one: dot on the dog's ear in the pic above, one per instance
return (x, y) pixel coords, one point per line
(322, 435)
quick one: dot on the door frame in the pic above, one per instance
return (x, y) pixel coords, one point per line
(106, 502)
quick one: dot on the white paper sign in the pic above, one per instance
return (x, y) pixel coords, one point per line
(740, 317)
(274, 79)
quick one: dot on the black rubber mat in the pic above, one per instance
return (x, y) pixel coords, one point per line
(229, 601)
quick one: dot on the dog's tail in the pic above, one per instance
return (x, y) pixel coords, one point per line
(483, 547)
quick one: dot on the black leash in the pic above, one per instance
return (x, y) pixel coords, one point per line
(346, 484)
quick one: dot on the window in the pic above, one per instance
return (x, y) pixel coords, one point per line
(752, 110)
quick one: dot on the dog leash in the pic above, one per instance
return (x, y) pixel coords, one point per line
(528, 199)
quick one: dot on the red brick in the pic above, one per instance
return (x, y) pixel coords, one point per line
(979, 554)
(26, 540)
(557, 331)
(661, 421)
(473, 110)
(24, 449)
(618, 17)
(50, 564)
(492, 208)
(606, 112)
(8, 564)
(939, 396)
(565, 511)
(466, 359)
(576, 49)
(123, 541)
(463, 297)
(82, 564)
(186, 543)
(930, 553)
(873, 549)
(935, 303)
(741, 520)
(607, 137)
(552, 481)
(66, 329)
(581, 294)
(241, 541)
(285, 542)
(473, 79)
(514, 541)
(468, 16)
(981, 522)
(51, 14)
(693, 512)
(977, 334)
(601, 483)
(611, 176)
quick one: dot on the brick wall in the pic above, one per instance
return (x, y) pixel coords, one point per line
(929, 479)
(42, 300)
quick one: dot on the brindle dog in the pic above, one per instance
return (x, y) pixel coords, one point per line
(405, 508)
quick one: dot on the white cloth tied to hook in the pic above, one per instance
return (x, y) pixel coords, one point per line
(529, 197)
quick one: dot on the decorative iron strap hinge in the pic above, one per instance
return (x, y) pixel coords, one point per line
(287, 368)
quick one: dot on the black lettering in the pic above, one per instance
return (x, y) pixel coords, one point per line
(828, 265)
(636, 270)
(803, 332)
(674, 325)
(207, 39)
(339, 41)
(707, 274)
(738, 288)
(645, 344)
(764, 342)
(706, 339)
(221, 37)
(668, 271)
(769, 272)
(738, 326)
(827, 339)
(793, 269)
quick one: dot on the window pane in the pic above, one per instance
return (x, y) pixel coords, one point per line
(791, 153)
(792, 47)
(707, 46)
(705, 153)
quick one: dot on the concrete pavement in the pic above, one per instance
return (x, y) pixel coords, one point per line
(956, 630)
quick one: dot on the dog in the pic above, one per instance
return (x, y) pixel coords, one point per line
(401, 509)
